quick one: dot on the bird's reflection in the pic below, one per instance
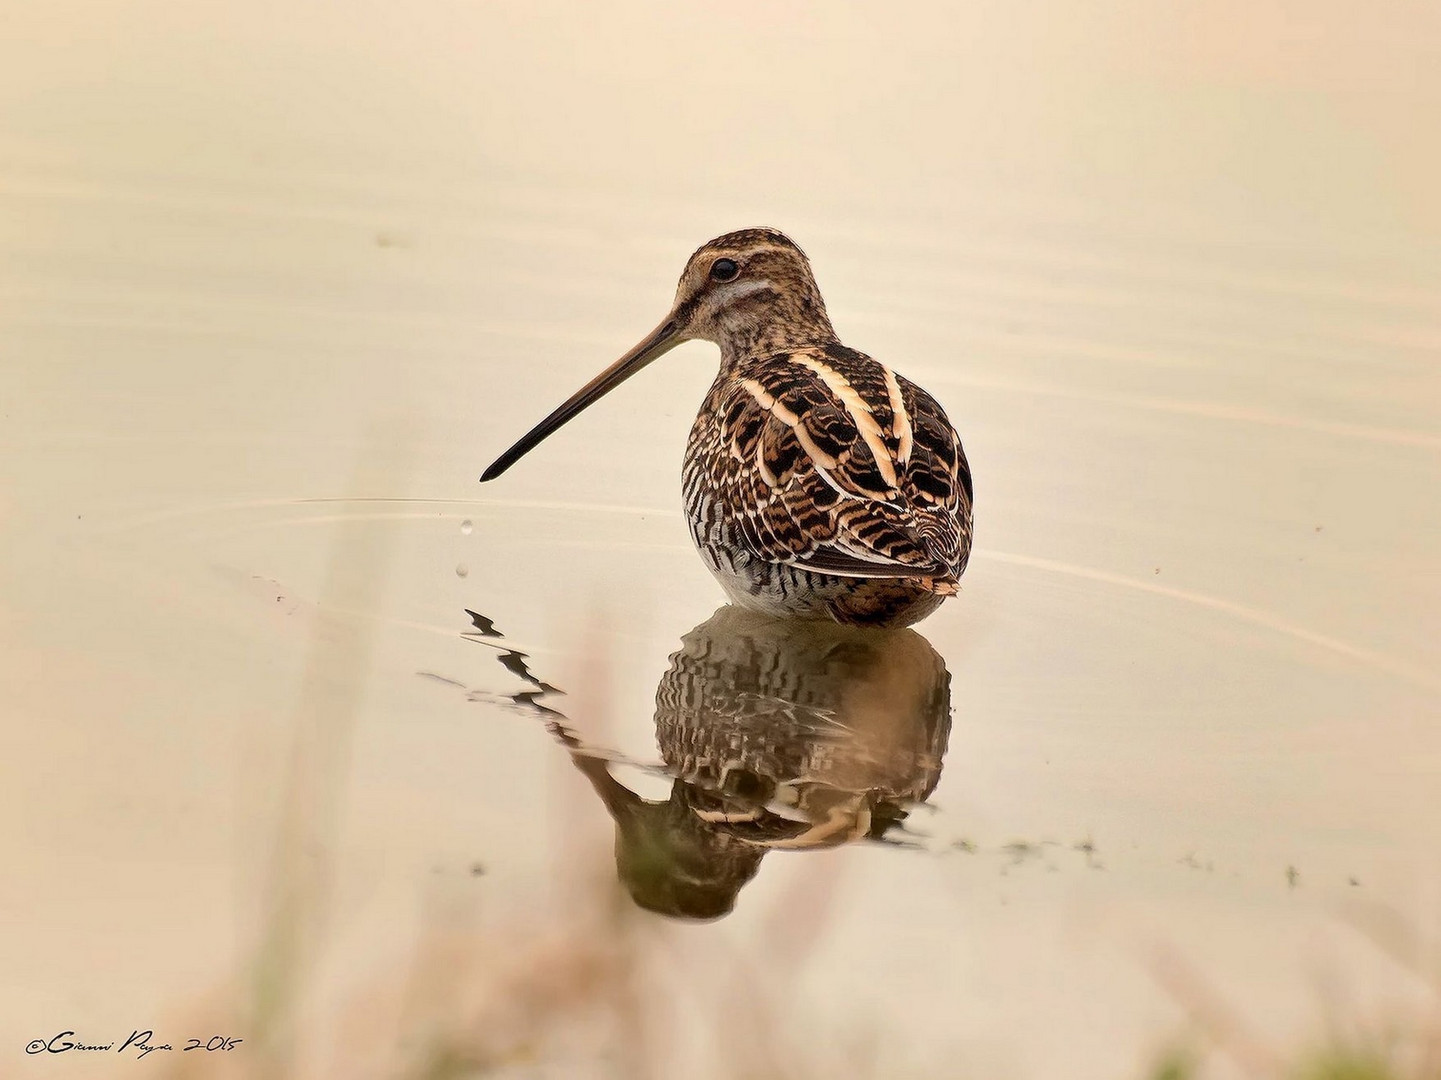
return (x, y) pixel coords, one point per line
(777, 734)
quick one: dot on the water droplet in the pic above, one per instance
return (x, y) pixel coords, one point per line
(465, 527)
(462, 570)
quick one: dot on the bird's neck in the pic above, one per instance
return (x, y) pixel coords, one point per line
(784, 322)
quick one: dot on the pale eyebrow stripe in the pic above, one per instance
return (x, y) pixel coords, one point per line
(758, 249)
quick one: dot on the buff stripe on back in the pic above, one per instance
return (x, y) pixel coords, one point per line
(900, 419)
(859, 411)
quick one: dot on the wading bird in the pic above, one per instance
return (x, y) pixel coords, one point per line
(818, 483)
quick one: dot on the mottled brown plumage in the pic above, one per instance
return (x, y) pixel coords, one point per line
(818, 482)
(779, 736)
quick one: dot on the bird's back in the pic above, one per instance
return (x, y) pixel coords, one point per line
(824, 459)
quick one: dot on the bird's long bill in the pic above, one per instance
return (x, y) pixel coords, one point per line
(657, 343)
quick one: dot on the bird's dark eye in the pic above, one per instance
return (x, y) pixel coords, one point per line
(724, 269)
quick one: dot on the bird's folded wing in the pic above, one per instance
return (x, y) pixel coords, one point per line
(829, 560)
(810, 486)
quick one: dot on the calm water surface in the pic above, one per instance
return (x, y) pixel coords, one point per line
(311, 740)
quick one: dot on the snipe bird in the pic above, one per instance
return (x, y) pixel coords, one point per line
(818, 482)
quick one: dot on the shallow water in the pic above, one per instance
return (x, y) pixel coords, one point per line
(286, 689)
